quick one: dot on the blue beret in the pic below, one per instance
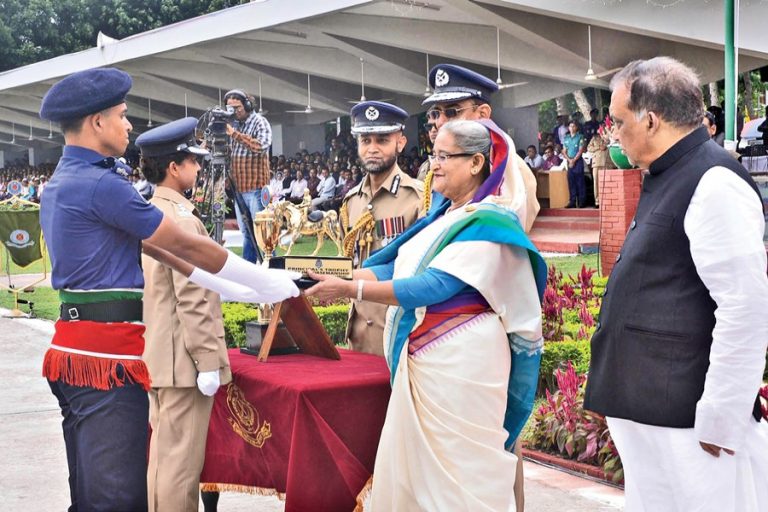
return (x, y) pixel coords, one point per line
(377, 117)
(455, 83)
(85, 93)
(174, 137)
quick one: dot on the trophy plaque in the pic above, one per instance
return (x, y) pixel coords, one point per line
(290, 326)
(327, 265)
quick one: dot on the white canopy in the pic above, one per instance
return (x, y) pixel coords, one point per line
(185, 68)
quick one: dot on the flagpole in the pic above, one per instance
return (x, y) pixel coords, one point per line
(731, 29)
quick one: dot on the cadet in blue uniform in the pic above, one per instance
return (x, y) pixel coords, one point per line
(94, 221)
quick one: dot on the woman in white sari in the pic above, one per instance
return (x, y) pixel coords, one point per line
(462, 336)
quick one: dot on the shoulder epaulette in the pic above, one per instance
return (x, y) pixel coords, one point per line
(354, 190)
(412, 183)
(121, 171)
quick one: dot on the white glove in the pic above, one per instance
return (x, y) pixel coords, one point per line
(208, 382)
(244, 281)
(272, 285)
(229, 291)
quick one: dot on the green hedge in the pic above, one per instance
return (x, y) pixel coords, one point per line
(235, 317)
(333, 318)
(557, 354)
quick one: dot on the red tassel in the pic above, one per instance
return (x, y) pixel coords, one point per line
(95, 372)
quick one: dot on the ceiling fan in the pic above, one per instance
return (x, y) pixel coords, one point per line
(261, 110)
(149, 113)
(427, 91)
(501, 84)
(309, 108)
(591, 75)
(13, 136)
(362, 86)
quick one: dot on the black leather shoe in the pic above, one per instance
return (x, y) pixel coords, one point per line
(571, 205)
(210, 500)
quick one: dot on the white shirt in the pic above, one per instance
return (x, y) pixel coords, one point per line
(326, 187)
(296, 189)
(725, 226)
(535, 162)
(276, 187)
(144, 188)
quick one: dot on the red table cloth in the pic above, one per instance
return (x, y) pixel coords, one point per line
(299, 426)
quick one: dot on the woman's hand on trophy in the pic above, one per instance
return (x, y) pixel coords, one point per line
(330, 287)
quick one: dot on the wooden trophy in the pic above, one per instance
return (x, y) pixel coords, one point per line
(290, 326)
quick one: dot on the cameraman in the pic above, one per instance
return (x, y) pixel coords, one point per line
(250, 137)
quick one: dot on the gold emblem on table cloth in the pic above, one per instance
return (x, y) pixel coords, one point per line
(244, 419)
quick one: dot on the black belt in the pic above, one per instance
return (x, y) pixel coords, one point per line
(126, 310)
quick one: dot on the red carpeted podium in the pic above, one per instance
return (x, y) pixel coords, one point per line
(299, 426)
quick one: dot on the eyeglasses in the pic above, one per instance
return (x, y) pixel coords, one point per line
(430, 126)
(444, 157)
(449, 113)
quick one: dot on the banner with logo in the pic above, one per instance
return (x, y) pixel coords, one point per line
(20, 234)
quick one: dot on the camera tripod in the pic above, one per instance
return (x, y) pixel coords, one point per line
(209, 193)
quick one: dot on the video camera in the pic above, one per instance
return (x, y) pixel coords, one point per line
(209, 191)
(218, 119)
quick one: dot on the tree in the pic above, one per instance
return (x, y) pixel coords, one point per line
(748, 98)
(714, 99)
(561, 102)
(35, 30)
(582, 102)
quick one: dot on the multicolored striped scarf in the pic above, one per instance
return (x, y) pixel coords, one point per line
(100, 355)
(446, 317)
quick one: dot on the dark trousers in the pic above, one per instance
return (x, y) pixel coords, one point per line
(576, 185)
(105, 433)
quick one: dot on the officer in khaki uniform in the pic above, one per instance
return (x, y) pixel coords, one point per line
(432, 134)
(377, 210)
(460, 93)
(185, 349)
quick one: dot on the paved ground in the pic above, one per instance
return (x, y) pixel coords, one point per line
(33, 474)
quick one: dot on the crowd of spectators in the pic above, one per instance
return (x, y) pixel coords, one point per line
(328, 175)
(33, 179)
(564, 148)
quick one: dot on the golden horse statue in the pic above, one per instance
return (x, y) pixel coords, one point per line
(298, 221)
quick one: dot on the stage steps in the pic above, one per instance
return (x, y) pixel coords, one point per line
(567, 230)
